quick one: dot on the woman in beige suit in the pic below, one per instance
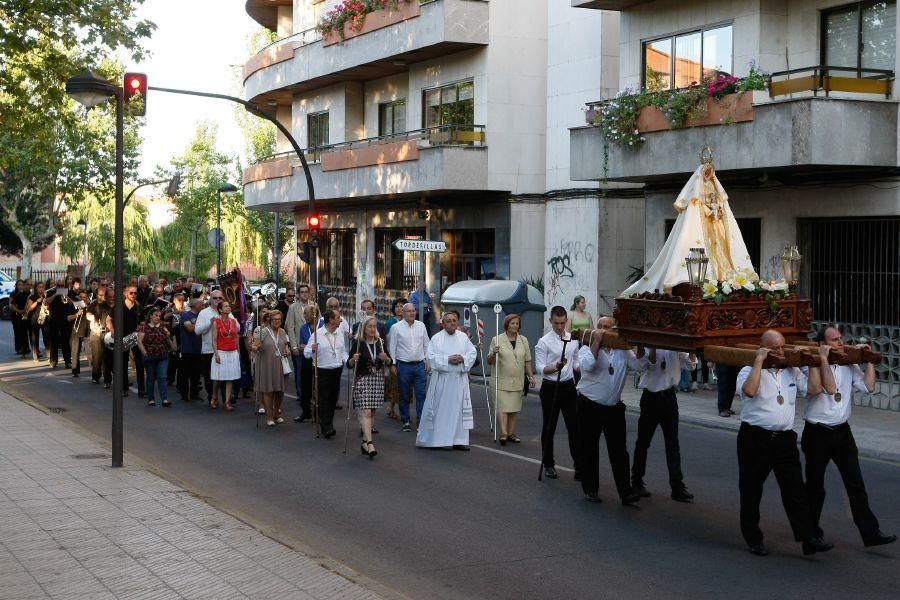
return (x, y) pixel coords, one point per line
(510, 357)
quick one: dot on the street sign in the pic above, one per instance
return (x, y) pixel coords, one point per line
(211, 236)
(420, 245)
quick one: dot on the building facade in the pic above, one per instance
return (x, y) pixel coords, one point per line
(445, 120)
(812, 160)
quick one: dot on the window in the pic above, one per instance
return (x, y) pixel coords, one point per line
(470, 255)
(860, 36)
(317, 124)
(336, 257)
(452, 104)
(851, 268)
(677, 61)
(394, 269)
(392, 117)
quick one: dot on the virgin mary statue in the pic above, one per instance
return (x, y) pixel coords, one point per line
(704, 221)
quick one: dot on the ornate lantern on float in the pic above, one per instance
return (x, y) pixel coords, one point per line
(696, 263)
(790, 264)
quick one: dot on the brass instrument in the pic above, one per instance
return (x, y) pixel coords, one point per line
(128, 342)
(270, 291)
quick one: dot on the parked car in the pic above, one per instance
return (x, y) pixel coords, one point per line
(7, 287)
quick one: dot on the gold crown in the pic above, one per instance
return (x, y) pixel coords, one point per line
(706, 155)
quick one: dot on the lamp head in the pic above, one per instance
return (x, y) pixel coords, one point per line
(90, 89)
(228, 188)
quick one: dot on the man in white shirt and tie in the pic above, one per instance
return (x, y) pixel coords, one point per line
(556, 360)
(827, 437)
(331, 354)
(600, 410)
(203, 328)
(659, 408)
(767, 442)
(408, 346)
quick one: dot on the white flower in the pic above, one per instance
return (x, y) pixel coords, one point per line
(636, 132)
(726, 288)
(781, 286)
(709, 289)
(768, 286)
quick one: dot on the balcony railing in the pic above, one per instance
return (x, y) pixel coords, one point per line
(301, 38)
(429, 137)
(824, 78)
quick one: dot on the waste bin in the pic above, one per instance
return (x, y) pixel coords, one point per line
(513, 296)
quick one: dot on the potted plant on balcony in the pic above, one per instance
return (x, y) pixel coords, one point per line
(348, 18)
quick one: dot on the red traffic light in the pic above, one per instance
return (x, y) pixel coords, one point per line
(313, 221)
(135, 90)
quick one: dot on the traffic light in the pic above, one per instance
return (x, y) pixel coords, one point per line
(314, 223)
(135, 88)
(305, 252)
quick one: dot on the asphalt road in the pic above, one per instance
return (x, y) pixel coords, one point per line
(433, 524)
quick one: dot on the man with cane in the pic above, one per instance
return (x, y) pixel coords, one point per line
(556, 361)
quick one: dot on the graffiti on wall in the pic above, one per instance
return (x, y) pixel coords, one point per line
(570, 256)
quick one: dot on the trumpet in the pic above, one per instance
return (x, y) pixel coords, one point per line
(270, 291)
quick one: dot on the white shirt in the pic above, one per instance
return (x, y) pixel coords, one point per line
(548, 352)
(203, 328)
(408, 343)
(657, 378)
(332, 349)
(596, 383)
(824, 408)
(763, 409)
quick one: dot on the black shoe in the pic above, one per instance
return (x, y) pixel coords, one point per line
(682, 495)
(630, 498)
(329, 434)
(759, 550)
(640, 490)
(75, 374)
(95, 381)
(550, 473)
(593, 497)
(141, 394)
(374, 431)
(813, 545)
(463, 447)
(880, 539)
(124, 393)
(302, 419)
(338, 407)
(407, 427)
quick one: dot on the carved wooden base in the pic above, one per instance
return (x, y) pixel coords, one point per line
(666, 321)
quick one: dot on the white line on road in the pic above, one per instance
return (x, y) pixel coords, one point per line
(520, 457)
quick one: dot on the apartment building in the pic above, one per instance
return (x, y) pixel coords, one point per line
(444, 120)
(811, 160)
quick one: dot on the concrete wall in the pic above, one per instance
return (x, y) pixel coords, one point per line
(570, 251)
(526, 240)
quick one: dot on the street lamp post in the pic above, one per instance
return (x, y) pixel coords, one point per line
(84, 266)
(90, 89)
(227, 188)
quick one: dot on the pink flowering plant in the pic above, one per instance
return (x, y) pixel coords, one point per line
(353, 12)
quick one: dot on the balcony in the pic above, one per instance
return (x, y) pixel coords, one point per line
(442, 27)
(801, 135)
(445, 159)
(608, 4)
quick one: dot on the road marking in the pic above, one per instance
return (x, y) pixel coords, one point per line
(520, 457)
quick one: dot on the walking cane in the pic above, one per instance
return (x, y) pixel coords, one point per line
(562, 360)
(315, 385)
(350, 390)
(497, 311)
(487, 399)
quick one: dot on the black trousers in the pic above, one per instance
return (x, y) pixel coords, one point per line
(59, 341)
(206, 370)
(189, 375)
(566, 404)
(727, 386)
(821, 445)
(595, 419)
(173, 368)
(760, 452)
(35, 334)
(135, 353)
(658, 409)
(329, 391)
(20, 334)
(306, 384)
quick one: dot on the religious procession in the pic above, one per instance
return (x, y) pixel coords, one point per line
(221, 338)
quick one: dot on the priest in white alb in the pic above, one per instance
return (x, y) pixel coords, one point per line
(447, 415)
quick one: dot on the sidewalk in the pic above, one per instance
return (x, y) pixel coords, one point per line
(877, 431)
(72, 527)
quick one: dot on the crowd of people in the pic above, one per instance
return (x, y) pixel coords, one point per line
(185, 335)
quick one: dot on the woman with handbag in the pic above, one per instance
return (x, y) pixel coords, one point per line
(368, 361)
(226, 364)
(273, 365)
(155, 342)
(510, 357)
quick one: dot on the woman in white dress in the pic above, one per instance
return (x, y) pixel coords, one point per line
(226, 364)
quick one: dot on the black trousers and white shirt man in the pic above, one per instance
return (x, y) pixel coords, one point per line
(601, 411)
(556, 361)
(331, 354)
(827, 437)
(767, 442)
(659, 408)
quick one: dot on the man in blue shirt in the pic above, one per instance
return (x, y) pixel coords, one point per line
(191, 348)
(306, 364)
